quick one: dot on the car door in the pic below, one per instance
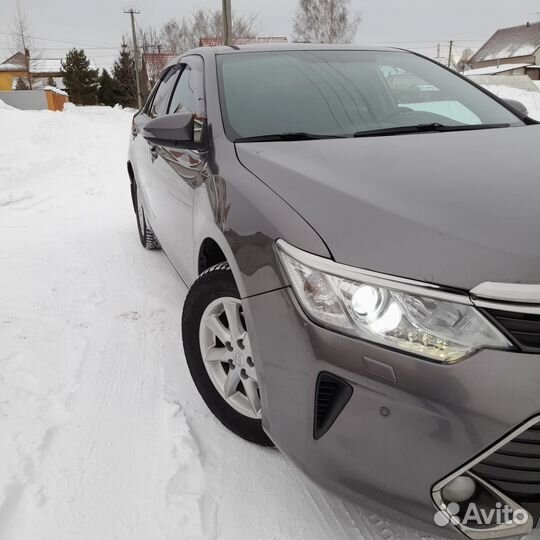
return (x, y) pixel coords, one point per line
(176, 172)
(157, 106)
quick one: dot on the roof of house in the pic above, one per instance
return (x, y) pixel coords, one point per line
(510, 42)
(495, 70)
(17, 62)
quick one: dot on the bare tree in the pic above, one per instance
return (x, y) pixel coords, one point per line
(325, 21)
(22, 42)
(179, 37)
(150, 40)
(171, 37)
(465, 59)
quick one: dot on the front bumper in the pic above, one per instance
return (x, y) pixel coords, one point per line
(408, 424)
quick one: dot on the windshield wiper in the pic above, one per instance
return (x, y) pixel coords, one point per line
(292, 136)
(425, 128)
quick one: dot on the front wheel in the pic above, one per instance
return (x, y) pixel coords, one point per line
(219, 355)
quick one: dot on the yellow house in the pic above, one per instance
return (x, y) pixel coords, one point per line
(11, 70)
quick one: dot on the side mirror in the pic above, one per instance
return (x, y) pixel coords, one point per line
(518, 106)
(171, 128)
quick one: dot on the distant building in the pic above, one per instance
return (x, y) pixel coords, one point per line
(217, 41)
(11, 70)
(512, 51)
(41, 70)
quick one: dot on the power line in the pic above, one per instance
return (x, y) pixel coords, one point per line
(132, 14)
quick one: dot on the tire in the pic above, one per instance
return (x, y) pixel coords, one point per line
(146, 234)
(214, 292)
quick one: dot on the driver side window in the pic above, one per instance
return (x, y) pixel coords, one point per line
(188, 95)
(183, 98)
(163, 93)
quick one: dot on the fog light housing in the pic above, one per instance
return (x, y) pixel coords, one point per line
(459, 490)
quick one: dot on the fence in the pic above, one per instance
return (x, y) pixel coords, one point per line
(50, 99)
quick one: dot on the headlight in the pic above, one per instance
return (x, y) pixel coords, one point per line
(412, 316)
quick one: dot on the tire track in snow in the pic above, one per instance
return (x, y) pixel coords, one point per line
(124, 466)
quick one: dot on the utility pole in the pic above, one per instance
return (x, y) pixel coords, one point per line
(450, 54)
(438, 50)
(227, 23)
(132, 12)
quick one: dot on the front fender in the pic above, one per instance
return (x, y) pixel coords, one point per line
(245, 217)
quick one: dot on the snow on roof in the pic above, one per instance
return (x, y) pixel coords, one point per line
(12, 67)
(494, 70)
(55, 90)
(510, 42)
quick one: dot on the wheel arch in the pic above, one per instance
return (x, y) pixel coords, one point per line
(212, 248)
(210, 254)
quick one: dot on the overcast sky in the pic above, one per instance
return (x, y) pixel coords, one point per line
(418, 24)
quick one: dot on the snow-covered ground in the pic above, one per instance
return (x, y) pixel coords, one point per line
(530, 99)
(103, 435)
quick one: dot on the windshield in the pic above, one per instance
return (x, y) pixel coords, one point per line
(332, 93)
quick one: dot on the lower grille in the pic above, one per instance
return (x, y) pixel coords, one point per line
(331, 396)
(523, 327)
(514, 469)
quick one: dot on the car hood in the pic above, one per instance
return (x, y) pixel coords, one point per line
(456, 209)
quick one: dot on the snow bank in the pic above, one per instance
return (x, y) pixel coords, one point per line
(5, 106)
(530, 99)
(92, 447)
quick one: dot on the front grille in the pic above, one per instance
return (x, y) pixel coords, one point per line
(514, 469)
(523, 327)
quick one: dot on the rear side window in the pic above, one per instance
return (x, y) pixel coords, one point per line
(163, 93)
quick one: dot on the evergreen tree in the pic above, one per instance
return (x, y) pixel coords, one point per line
(124, 84)
(80, 80)
(51, 82)
(21, 84)
(105, 91)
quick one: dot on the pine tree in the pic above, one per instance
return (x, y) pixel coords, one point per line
(105, 91)
(21, 84)
(51, 82)
(124, 84)
(80, 80)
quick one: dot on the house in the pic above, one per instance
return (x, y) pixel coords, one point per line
(512, 51)
(12, 69)
(41, 70)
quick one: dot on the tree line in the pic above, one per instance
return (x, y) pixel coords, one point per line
(315, 21)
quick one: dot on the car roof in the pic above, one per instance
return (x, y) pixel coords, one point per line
(208, 52)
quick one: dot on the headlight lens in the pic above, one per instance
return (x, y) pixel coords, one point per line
(441, 330)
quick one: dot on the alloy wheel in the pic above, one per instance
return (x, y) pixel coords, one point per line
(227, 356)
